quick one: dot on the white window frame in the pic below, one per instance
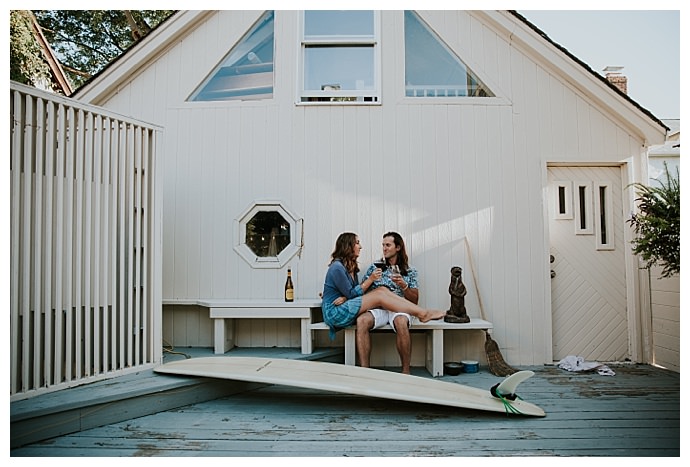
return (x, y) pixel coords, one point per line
(589, 224)
(568, 199)
(340, 97)
(268, 262)
(607, 222)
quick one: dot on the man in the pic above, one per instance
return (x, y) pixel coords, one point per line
(403, 284)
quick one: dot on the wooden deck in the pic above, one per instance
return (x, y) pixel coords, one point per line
(634, 413)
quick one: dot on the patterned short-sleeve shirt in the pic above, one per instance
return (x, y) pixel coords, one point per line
(410, 278)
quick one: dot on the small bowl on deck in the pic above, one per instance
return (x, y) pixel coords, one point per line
(471, 366)
(452, 368)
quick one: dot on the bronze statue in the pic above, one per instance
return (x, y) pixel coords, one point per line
(457, 290)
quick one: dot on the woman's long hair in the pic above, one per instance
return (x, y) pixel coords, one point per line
(402, 260)
(345, 251)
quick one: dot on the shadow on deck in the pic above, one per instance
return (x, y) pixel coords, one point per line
(134, 395)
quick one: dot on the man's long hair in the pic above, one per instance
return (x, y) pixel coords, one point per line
(345, 251)
(402, 260)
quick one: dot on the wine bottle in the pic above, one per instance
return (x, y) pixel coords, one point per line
(289, 288)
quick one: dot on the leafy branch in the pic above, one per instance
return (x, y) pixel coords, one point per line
(657, 224)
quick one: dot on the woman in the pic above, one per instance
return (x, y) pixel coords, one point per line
(344, 298)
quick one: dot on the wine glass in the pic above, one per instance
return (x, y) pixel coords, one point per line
(395, 270)
(380, 263)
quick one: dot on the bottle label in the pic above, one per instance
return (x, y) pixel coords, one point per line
(289, 295)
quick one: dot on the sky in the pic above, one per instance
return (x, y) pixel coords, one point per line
(645, 43)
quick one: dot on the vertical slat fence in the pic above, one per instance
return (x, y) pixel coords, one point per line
(85, 299)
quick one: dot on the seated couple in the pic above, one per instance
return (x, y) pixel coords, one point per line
(346, 300)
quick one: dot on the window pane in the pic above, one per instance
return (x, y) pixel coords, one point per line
(268, 234)
(338, 23)
(247, 71)
(561, 200)
(582, 198)
(603, 215)
(431, 69)
(338, 68)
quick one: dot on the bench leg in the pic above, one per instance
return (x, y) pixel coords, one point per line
(220, 343)
(349, 346)
(434, 352)
(306, 333)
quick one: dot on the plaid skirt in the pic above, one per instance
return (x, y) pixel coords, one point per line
(341, 316)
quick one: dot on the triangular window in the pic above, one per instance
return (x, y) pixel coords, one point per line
(247, 71)
(432, 69)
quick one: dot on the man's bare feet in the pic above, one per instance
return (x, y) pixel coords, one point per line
(432, 314)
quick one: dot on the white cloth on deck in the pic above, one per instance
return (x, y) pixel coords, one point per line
(577, 363)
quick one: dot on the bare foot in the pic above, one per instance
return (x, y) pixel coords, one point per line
(432, 314)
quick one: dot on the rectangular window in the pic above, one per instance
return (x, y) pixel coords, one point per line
(561, 200)
(603, 215)
(583, 210)
(564, 200)
(340, 59)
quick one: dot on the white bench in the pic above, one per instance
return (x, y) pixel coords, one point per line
(224, 312)
(434, 339)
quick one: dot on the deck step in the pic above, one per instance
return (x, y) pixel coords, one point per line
(131, 396)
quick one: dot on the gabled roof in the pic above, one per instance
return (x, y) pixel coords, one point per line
(99, 87)
(58, 76)
(672, 145)
(126, 53)
(674, 126)
(588, 68)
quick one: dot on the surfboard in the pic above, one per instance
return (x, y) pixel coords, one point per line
(349, 379)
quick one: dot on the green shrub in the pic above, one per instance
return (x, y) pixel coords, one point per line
(657, 224)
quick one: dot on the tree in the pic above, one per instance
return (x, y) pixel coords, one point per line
(86, 41)
(657, 224)
(27, 65)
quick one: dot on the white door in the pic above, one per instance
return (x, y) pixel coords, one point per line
(588, 282)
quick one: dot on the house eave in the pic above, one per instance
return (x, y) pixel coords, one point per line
(536, 44)
(520, 32)
(106, 83)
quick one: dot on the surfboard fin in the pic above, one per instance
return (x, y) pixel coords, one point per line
(505, 390)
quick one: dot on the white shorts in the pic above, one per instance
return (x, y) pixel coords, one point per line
(383, 317)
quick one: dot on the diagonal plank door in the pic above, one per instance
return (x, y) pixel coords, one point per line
(588, 285)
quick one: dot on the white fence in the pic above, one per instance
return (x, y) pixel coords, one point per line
(85, 243)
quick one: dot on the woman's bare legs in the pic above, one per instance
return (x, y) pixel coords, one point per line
(382, 297)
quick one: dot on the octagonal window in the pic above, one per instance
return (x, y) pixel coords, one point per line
(268, 235)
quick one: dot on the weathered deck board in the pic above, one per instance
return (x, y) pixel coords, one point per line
(635, 413)
(128, 396)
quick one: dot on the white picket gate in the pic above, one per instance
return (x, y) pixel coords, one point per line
(85, 243)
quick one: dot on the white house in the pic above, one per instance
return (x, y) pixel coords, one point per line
(441, 125)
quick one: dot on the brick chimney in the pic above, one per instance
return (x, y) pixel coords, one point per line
(615, 77)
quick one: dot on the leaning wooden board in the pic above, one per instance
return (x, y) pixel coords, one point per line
(348, 379)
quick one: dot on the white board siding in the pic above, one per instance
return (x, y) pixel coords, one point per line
(462, 170)
(665, 301)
